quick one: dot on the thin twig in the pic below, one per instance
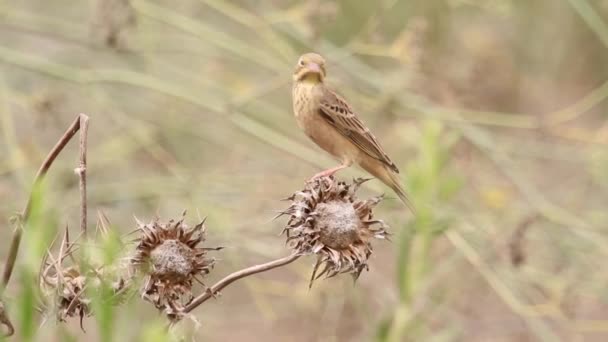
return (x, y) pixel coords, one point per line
(82, 172)
(6, 321)
(25, 214)
(213, 290)
(516, 242)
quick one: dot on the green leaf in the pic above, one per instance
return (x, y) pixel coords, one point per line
(403, 259)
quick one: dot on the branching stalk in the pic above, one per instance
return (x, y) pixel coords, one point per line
(42, 171)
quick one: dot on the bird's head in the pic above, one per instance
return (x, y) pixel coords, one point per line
(310, 68)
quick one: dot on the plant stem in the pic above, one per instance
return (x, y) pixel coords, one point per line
(82, 172)
(213, 290)
(25, 214)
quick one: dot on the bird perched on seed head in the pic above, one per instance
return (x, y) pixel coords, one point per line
(331, 123)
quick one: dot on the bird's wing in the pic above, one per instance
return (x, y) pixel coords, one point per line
(338, 113)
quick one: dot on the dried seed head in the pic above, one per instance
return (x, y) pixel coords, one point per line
(327, 219)
(67, 285)
(338, 224)
(171, 258)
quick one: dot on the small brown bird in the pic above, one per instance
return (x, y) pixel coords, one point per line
(331, 123)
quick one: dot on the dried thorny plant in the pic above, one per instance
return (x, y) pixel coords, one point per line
(171, 257)
(327, 219)
(67, 280)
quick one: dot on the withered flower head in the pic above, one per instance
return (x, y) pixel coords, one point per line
(68, 284)
(68, 288)
(327, 219)
(171, 258)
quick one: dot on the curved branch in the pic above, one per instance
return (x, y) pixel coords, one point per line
(25, 214)
(238, 275)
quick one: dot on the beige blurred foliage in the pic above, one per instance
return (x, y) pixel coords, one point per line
(494, 110)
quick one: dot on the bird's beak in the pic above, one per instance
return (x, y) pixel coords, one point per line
(314, 67)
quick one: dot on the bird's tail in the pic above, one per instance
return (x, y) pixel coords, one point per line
(395, 183)
(391, 179)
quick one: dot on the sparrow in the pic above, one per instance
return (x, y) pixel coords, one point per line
(329, 121)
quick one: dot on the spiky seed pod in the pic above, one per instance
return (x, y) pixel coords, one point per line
(69, 285)
(66, 287)
(169, 255)
(327, 219)
(72, 299)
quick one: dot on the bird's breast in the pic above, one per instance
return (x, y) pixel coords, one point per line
(305, 104)
(306, 107)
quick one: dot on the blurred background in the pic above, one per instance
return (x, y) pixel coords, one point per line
(493, 110)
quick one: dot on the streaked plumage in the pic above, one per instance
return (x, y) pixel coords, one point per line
(332, 124)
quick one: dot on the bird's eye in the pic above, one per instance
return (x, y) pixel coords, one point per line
(301, 62)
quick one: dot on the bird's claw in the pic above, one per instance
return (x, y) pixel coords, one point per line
(317, 177)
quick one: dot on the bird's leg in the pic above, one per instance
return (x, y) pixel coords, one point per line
(329, 172)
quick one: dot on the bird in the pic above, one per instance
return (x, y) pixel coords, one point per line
(330, 122)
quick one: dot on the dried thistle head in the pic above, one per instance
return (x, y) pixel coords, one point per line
(327, 219)
(68, 288)
(66, 280)
(170, 255)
